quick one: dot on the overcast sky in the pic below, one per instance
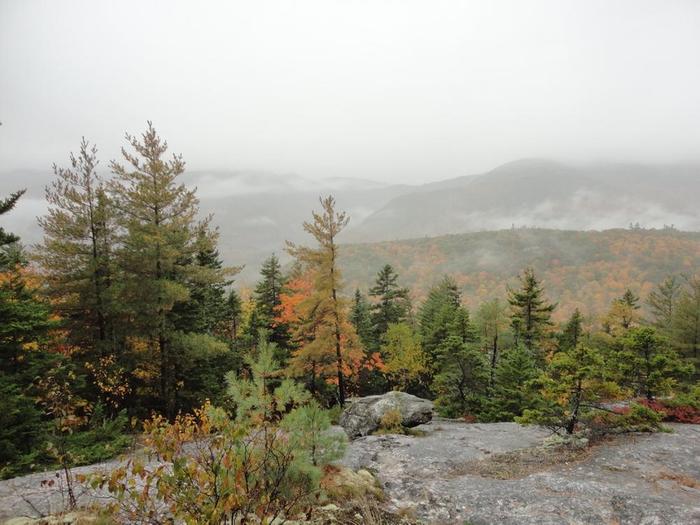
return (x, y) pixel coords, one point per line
(394, 91)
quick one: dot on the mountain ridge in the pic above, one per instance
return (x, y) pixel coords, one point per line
(543, 193)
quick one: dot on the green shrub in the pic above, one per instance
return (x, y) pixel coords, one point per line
(103, 439)
(691, 398)
(22, 430)
(266, 461)
(635, 418)
(640, 418)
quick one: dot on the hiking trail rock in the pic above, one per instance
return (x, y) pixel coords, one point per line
(438, 477)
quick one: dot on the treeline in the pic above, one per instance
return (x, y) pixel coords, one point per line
(126, 310)
(123, 313)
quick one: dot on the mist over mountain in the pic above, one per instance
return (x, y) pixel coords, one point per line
(542, 193)
(257, 211)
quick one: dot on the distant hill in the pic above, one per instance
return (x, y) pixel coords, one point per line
(542, 193)
(580, 269)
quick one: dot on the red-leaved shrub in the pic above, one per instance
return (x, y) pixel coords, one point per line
(673, 413)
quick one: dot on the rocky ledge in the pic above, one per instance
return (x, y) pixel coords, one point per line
(450, 472)
(504, 473)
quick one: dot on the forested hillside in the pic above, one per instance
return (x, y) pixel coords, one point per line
(581, 269)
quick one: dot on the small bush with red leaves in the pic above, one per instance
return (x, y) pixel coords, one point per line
(682, 408)
(673, 412)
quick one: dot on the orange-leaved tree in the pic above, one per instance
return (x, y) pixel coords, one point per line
(329, 347)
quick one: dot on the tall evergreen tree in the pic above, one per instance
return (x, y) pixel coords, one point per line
(76, 252)
(24, 327)
(267, 304)
(648, 364)
(25, 318)
(510, 395)
(685, 326)
(392, 304)
(462, 382)
(572, 332)
(663, 300)
(205, 309)
(450, 346)
(160, 240)
(361, 318)
(530, 312)
(437, 317)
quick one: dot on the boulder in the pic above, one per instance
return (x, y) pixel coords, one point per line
(364, 414)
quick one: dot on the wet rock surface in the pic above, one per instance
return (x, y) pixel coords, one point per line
(632, 479)
(364, 414)
(438, 477)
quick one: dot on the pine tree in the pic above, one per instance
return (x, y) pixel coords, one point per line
(5, 206)
(450, 345)
(371, 379)
(437, 318)
(685, 326)
(510, 396)
(205, 309)
(648, 364)
(573, 385)
(623, 315)
(325, 310)
(76, 252)
(361, 318)
(530, 313)
(663, 301)
(160, 240)
(267, 303)
(392, 304)
(24, 335)
(462, 381)
(572, 332)
(25, 318)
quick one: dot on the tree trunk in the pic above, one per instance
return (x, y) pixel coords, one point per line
(494, 356)
(571, 426)
(336, 314)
